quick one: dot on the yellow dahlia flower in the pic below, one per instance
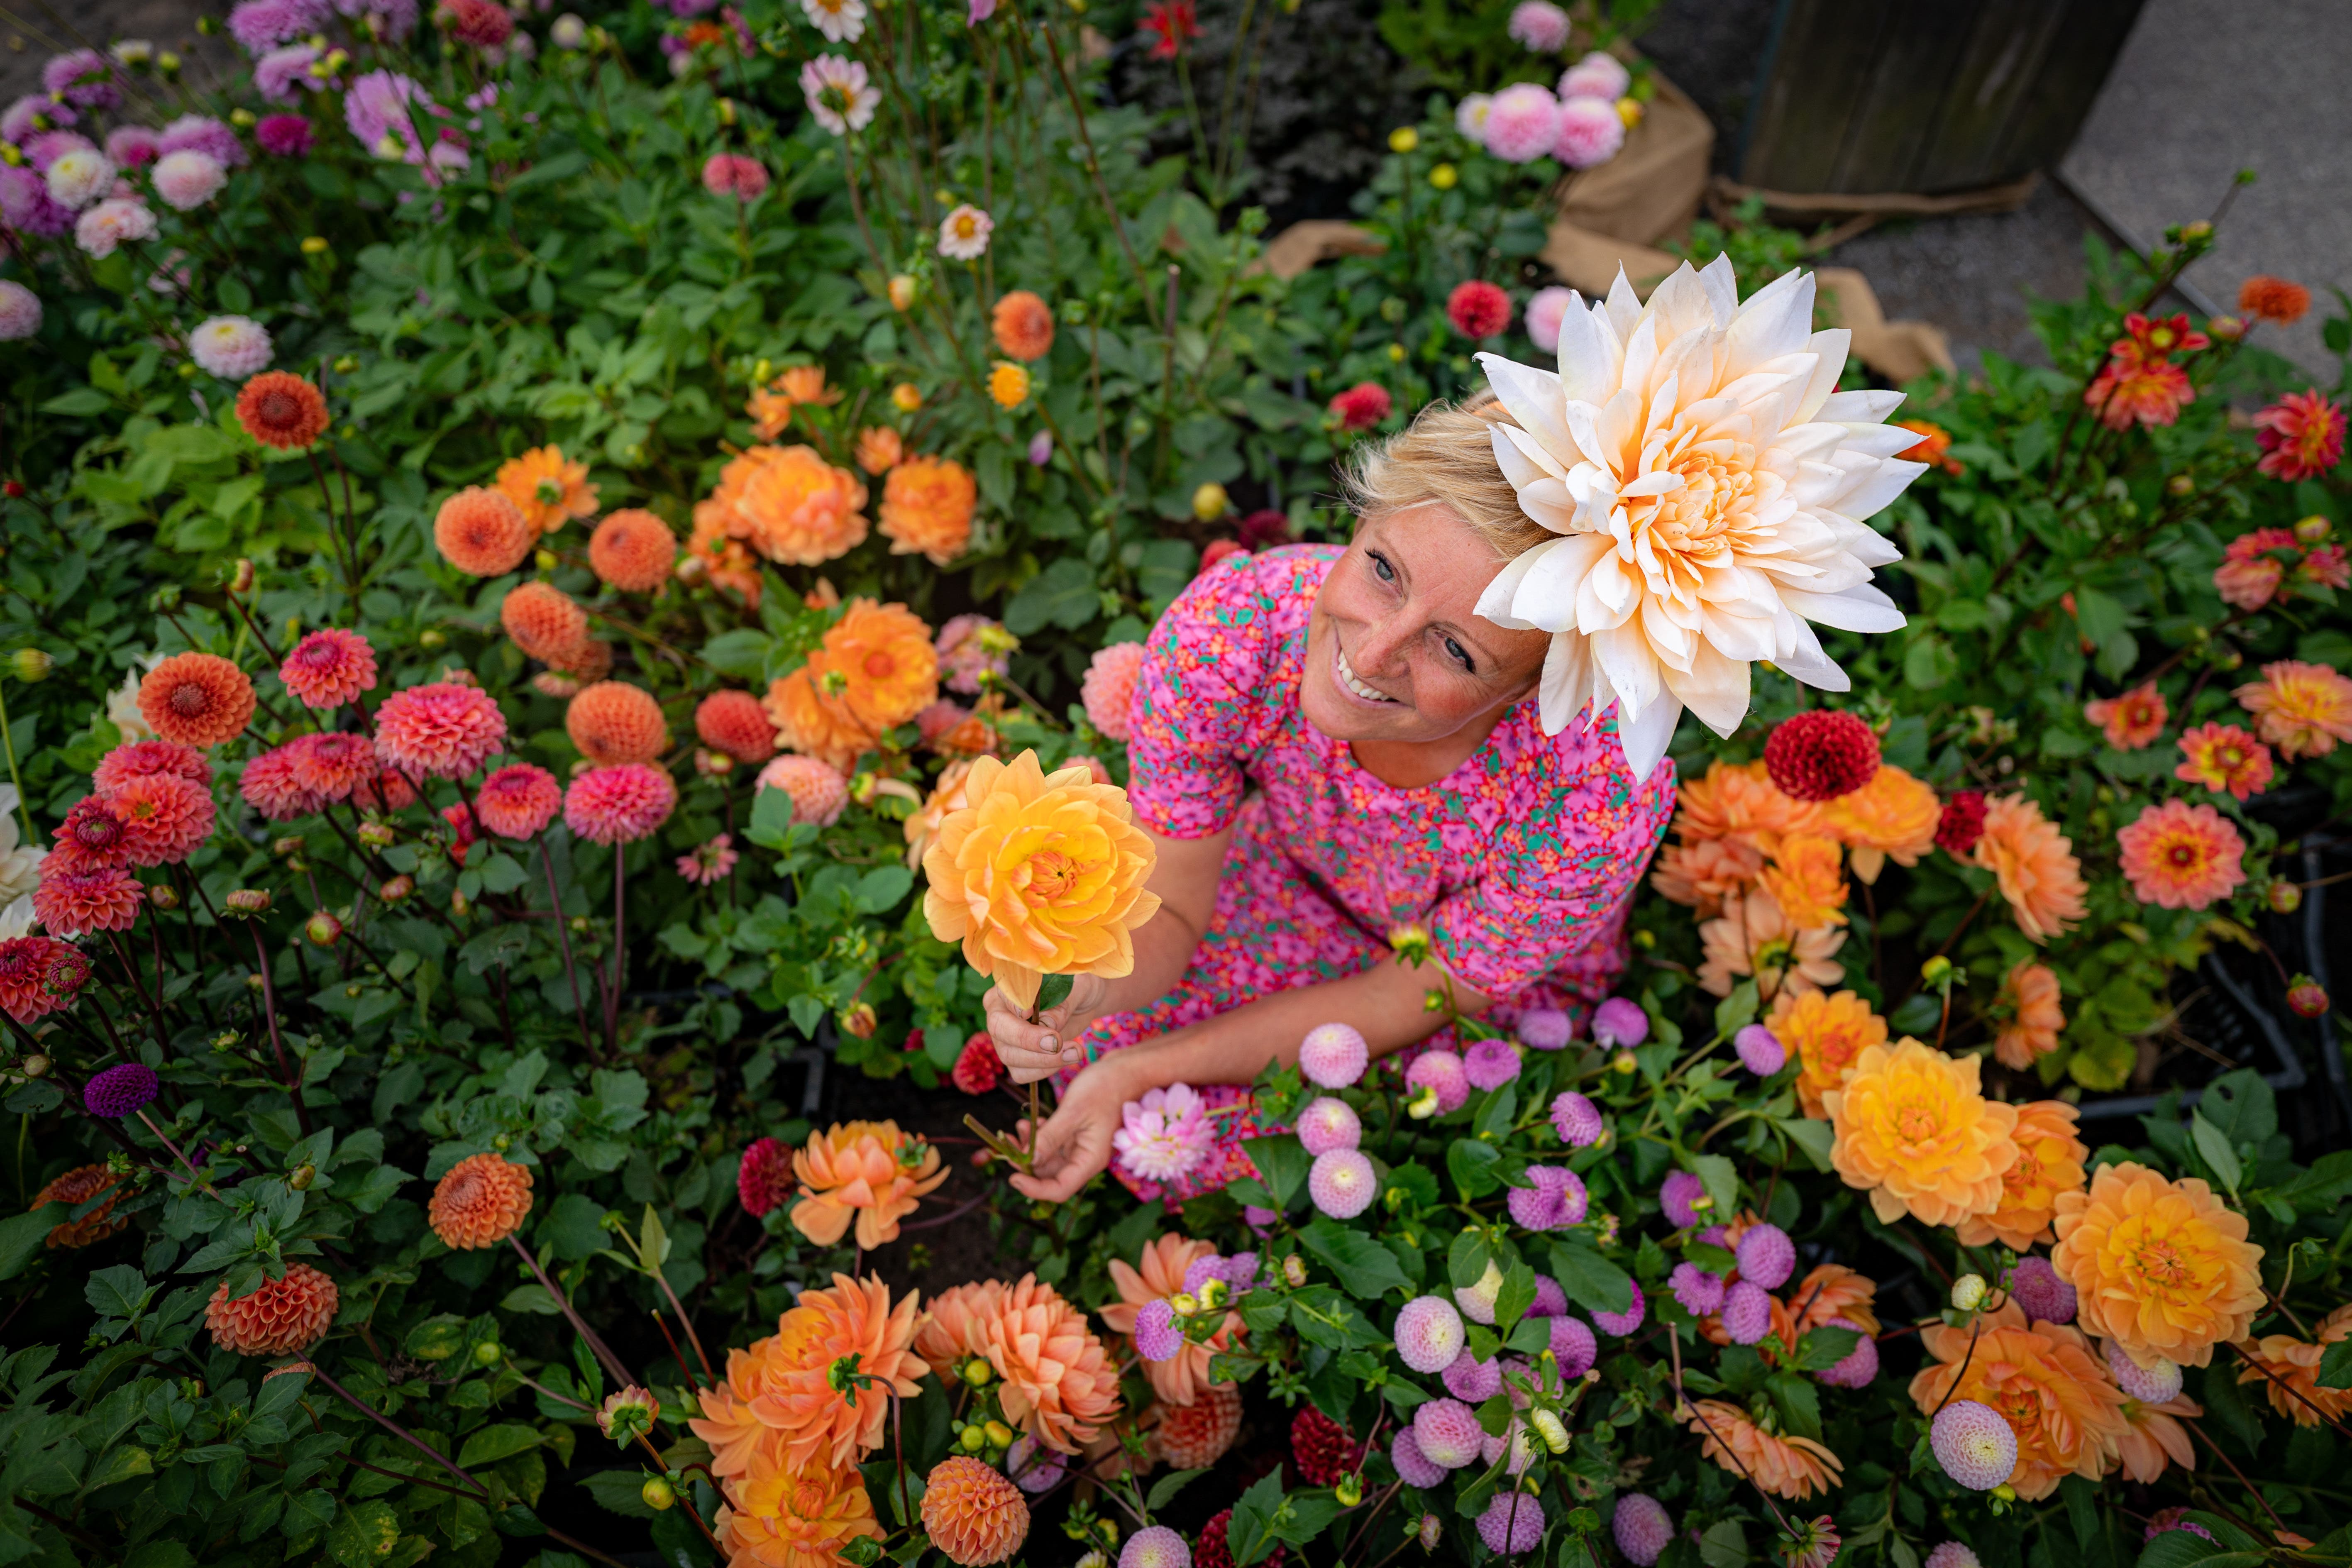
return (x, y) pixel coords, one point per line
(1039, 875)
(869, 1170)
(796, 1518)
(1828, 1033)
(2049, 1161)
(1805, 880)
(1913, 1129)
(2163, 1268)
(1893, 816)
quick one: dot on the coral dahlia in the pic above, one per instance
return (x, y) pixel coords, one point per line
(1828, 1033)
(40, 975)
(614, 722)
(1108, 687)
(2132, 720)
(2225, 757)
(281, 410)
(818, 793)
(2286, 1367)
(927, 507)
(2028, 1016)
(269, 786)
(137, 759)
(2179, 856)
(1023, 325)
(2162, 1266)
(619, 804)
(2035, 866)
(334, 764)
(2301, 436)
(1058, 1383)
(443, 730)
(633, 550)
(482, 532)
(866, 1170)
(517, 801)
(547, 489)
(778, 1406)
(1912, 1127)
(480, 1202)
(1893, 816)
(2049, 1161)
(2268, 299)
(196, 699)
(277, 1317)
(2044, 1380)
(2302, 709)
(789, 504)
(972, 1513)
(73, 1188)
(1196, 1435)
(1784, 1467)
(329, 667)
(164, 818)
(74, 903)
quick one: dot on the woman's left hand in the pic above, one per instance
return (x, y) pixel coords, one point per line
(1075, 1144)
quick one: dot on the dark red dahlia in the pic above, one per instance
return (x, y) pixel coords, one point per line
(1213, 1550)
(765, 1179)
(1362, 405)
(1962, 823)
(1263, 529)
(1479, 309)
(978, 1068)
(1320, 1448)
(1820, 755)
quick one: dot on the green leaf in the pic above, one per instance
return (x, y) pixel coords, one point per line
(742, 653)
(491, 1444)
(80, 402)
(2215, 1151)
(1472, 1165)
(1517, 1294)
(119, 1292)
(1721, 1179)
(363, 1534)
(120, 1465)
(21, 1237)
(1249, 1534)
(1590, 1280)
(437, 1338)
(574, 1227)
(623, 1491)
(1165, 1488)
(1814, 1138)
(1062, 594)
(306, 1512)
(1365, 1268)
(1282, 1163)
(1821, 1349)
(1466, 1260)
(2336, 1365)
(1799, 1404)
(1735, 1010)
(772, 818)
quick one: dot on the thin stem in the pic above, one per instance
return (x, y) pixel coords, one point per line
(8, 738)
(398, 1430)
(611, 1362)
(276, 1042)
(564, 940)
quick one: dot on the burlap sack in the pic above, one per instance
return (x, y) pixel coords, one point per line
(1651, 189)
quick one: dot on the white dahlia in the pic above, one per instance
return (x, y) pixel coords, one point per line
(1709, 484)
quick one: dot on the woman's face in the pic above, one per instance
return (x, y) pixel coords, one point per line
(1395, 650)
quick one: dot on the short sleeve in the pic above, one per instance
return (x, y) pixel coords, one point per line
(1210, 694)
(1557, 877)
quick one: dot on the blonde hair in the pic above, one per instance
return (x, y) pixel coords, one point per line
(1447, 456)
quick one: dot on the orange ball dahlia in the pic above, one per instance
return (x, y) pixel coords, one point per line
(633, 550)
(796, 1518)
(2049, 1161)
(1023, 325)
(814, 725)
(545, 622)
(281, 410)
(1911, 1127)
(819, 793)
(1196, 1435)
(443, 730)
(479, 1202)
(2182, 856)
(779, 1407)
(1784, 1467)
(1742, 804)
(1827, 1033)
(927, 507)
(791, 505)
(2302, 709)
(482, 533)
(2035, 866)
(1893, 816)
(734, 722)
(2163, 1268)
(613, 722)
(2045, 1379)
(196, 699)
(1157, 1275)
(1039, 876)
(866, 1170)
(2029, 1017)
(1058, 1383)
(329, 667)
(973, 1514)
(77, 1187)
(546, 488)
(278, 1316)
(2287, 1367)
(2268, 299)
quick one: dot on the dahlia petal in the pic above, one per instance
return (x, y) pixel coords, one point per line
(1868, 407)
(1589, 352)
(1533, 397)
(1861, 608)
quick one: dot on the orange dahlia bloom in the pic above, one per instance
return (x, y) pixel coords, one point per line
(778, 1408)
(1784, 1467)
(1805, 879)
(2302, 709)
(2289, 1369)
(2132, 720)
(866, 1170)
(1827, 1034)
(480, 1202)
(1039, 875)
(2049, 1161)
(1934, 447)
(633, 551)
(770, 413)
(879, 449)
(76, 1188)
(278, 1316)
(1913, 1129)
(1829, 1292)
(1059, 1384)
(714, 555)
(2035, 866)
(1893, 816)
(548, 490)
(956, 1327)
(735, 723)
(805, 383)
(1753, 937)
(613, 722)
(2181, 857)
(2047, 1381)
(196, 699)
(282, 410)
(2222, 757)
(2163, 1268)
(1742, 804)
(1708, 874)
(791, 505)
(482, 532)
(1157, 1275)
(2268, 299)
(926, 506)
(545, 622)
(796, 1518)
(1023, 325)
(1196, 1435)
(972, 1513)
(2153, 1438)
(2029, 1017)
(815, 725)
(945, 798)
(877, 660)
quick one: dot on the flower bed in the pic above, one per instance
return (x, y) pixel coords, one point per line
(528, 537)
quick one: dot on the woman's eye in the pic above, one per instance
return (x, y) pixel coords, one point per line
(1386, 573)
(1454, 650)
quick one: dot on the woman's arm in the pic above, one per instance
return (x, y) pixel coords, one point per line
(1386, 1004)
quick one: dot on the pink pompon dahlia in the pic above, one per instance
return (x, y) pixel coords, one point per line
(74, 903)
(2300, 436)
(1333, 1056)
(1591, 132)
(1541, 26)
(1513, 1524)
(732, 174)
(164, 818)
(1108, 687)
(1973, 1444)
(442, 731)
(1328, 1124)
(1479, 309)
(1641, 1528)
(1165, 1135)
(270, 787)
(1448, 1433)
(708, 862)
(1577, 1120)
(1342, 1182)
(137, 759)
(2182, 856)
(619, 804)
(1490, 1064)
(335, 765)
(1522, 123)
(1555, 1201)
(1429, 1334)
(329, 667)
(1440, 1073)
(517, 801)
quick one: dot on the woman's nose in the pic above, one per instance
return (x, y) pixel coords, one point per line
(1379, 648)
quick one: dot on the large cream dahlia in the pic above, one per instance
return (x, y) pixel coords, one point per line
(1709, 484)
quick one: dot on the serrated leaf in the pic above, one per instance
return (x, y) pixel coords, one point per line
(1590, 1280)
(363, 1534)
(2214, 1148)
(1367, 1268)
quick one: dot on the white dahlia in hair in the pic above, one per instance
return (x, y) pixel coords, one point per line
(1709, 484)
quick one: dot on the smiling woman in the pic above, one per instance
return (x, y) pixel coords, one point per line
(1330, 745)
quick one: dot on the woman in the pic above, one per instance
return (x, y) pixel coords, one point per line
(1327, 746)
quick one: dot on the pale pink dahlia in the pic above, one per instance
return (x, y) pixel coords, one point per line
(1413, 1467)
(1590, 133)
(1573, 1345)
(1522, 123)
(1108, 688)
(1328, 1124)
(188, 178)
(329, 667)
(1342, 1182)
(1541, 26)
(1513, 1524)
(1544, 313)
(517, 801)
(1333, 1056)
(619, 804)
(1448, 1433)
(1973, 1444)
(1471, 1381)
(1165, 1135)
(1600, 75)
(1439, 1072)
(1429, 1334)
(2153, 1384)
(442, 731)
(1952, 1555)
(230, 347)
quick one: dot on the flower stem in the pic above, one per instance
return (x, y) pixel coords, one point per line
(564, 940)
(611, 1362)
(276, 1042)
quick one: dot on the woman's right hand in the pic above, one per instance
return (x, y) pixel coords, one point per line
(1039, 1050)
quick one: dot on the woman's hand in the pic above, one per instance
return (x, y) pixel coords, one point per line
(1075, 1144)
(1033, 1051)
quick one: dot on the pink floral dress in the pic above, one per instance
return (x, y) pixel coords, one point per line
(1521, 864)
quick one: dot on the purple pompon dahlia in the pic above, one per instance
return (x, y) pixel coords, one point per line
(1513, 1524)
(1760, 1050)
(1556, 1201)
(1573, 1346)
(1679, 1195)
(1641, 1528)
(1746, 1312)
(1859, 1368)
(1545, 1029)
(1766, 1256)
(1618, 1024)
(1699, 1291)
(1577, 1120)
(1551, 1299)
(1490, 1064)
(2046, 1297)
(1624, 1322)
(119, 1090)
(1448, 1433)
(1974, 1445)
(1472, 1380)
(1157, 1337)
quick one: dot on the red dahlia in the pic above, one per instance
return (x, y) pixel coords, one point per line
(1820, 755)
(765, 1179)
(979, 1069)
(1479, 309)
(1320, 1448)
(1962, 823)
(1211, 1550)
(1362, 405)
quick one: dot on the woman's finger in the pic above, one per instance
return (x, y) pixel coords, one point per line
(1010, 1027)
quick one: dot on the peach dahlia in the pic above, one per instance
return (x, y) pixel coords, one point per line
(2163, 1268)
(1912, 1127)
(866, 1170)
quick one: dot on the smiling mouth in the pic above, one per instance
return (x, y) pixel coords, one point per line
(1348, 678)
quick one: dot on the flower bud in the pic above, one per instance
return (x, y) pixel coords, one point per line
(902, 292)
(1403, 139)
(1423, 1104)
(314, 244)
(1351, 1491)
(2226, 329)
(906, 398)
(972, 1438)
(164, 896)
(1000, 1435)
(323, 930)
(568, 32)
(301, 1176)
(1211, 502)
(1396, 353)
(1185, 1303)
(627, 1415)
(2306, 997)
(1444, 177)
(2313, 530)
(169, 63)
(1936, 971)
(1429, 1530)
(2285, 898)
(397, 889)
(489, 1354)
(1213, 1294)
(726, 112)
(1968, 1292)
(1551, 1429)
(248, 902)
(31, 664)
(377, 834)
(658, 1494)
(243, 119)
(1294, 1269)
(859, 1020)
(37, 1066)
(1622, 1062)
(459, 904)
(978, 1370)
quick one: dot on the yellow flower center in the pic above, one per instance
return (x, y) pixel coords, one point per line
(2161, 1263)
(1051, 873)
(1688, 530)
(1919, 1123)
